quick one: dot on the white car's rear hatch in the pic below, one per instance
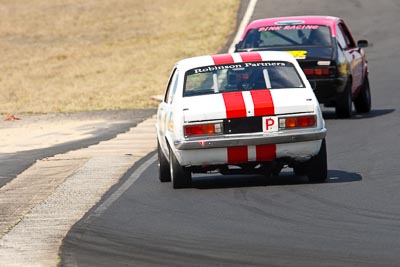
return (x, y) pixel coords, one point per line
(244, 104)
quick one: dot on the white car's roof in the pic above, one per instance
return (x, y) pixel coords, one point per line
(232, 58)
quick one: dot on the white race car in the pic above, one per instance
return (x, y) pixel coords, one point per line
(251, 112)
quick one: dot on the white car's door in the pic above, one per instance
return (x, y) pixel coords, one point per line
(164, 109)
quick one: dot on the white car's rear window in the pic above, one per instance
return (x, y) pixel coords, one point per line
(241, 77)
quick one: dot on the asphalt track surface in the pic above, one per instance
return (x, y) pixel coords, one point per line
(352, 220)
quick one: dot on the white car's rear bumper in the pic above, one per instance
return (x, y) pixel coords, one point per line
(250, 139)
(298, 151)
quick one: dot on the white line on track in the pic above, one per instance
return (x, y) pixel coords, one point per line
(118, 193)
(245, 20)
(71, 260)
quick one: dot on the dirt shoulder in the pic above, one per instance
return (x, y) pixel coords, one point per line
(35, 137)
(39, 206)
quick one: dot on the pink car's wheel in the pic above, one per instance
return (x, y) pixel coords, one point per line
(344, 103)
(363, 101)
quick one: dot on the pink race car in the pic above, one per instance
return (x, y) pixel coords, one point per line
(326, 51)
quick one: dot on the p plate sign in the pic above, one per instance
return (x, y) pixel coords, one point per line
(270, 124)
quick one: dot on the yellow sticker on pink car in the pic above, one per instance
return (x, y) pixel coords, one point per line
(298, 54)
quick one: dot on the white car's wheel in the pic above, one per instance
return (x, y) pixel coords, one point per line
(181, 177)
(318, 166)
(164, 174)
(300, 169)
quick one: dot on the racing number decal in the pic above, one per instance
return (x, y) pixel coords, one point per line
(298, 54)
(270, 124)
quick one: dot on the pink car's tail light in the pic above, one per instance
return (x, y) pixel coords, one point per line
(318, 72)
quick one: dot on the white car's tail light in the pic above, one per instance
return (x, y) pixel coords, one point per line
(297, 122)
(203, 129)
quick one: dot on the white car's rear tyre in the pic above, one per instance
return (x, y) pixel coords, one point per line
(164, 174)
(300, 169)
(181, 177)
(318, 166)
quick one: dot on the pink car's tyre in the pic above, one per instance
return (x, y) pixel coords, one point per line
(344, 104)
(363, 101)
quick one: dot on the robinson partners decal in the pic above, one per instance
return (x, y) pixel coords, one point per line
(239, 66)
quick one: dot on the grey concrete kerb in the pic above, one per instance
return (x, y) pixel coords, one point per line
(39, 206)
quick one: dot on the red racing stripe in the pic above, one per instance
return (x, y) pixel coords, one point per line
(263, 103)
(222, 59)
(237, 154)
(266, 152)
(234, 105)
(251, 57)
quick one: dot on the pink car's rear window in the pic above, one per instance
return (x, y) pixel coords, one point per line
(287, 35)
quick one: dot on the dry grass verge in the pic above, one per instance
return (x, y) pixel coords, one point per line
(72, 55)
